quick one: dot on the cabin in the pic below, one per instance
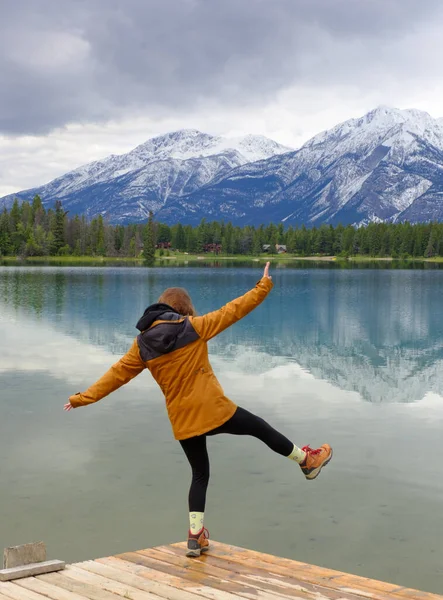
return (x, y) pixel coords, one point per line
(215, 248)
(280, 248)
(163, 246)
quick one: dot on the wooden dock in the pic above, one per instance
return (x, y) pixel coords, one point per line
(225, 573)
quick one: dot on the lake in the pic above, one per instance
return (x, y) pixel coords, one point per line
(349, 357)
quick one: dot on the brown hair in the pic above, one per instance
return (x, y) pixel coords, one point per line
(179, 300)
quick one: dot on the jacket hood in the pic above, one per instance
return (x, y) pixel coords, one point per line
(153, 313)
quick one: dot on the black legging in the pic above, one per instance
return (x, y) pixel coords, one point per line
(241, 423)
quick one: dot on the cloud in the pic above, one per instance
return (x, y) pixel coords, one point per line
(66, 62)
(83, 79)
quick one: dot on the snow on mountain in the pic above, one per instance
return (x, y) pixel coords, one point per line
(389, 126)
(384, 166)
(126, 187)
(190, 143)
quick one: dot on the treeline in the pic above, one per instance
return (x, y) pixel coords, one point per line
(28, 229)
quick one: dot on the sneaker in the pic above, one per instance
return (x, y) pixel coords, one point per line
(315, 460)
(198, 542)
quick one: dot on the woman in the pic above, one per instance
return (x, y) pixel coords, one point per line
(172, 344)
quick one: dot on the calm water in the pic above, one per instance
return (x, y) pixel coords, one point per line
(352, 357)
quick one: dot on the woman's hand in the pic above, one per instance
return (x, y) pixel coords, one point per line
(68, 407)
(266, 271)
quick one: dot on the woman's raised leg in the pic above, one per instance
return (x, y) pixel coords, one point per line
(244, 422)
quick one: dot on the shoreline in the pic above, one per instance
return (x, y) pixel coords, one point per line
(186, 258)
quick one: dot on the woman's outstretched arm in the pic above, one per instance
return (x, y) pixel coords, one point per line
(213, 323)
(128, 367)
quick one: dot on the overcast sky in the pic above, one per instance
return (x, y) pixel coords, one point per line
(81, 79)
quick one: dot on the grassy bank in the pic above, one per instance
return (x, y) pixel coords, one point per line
(181, 257)
(435, 259)
(173, 256)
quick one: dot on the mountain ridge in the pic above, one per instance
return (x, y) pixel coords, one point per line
(386, 165)
(125, 187)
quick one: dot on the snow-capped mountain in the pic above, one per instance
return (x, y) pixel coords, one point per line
(126, 187)
(384, 166)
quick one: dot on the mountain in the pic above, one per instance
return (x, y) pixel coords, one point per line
(384, 166)
(126, 187)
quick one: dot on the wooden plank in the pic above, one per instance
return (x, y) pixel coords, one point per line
(200, 585)
(326, 590)
(4, 597)
(93, 592)
(49, 590)
(151, 589)
(346, 581)
(309, 574)
(124, 571)
(107, 586)
(271, 562)
(341, 581)
(225, 573)
(233, 588)
(30, 570)
(14, 592)
(283, 588)
(149, 574)
(254, 576)
(338, 577)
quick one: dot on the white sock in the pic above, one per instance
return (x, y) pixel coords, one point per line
(196, 522)
(297, 454)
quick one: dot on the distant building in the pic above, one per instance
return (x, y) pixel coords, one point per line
(215, 248)
(280, 248)
(163, 245)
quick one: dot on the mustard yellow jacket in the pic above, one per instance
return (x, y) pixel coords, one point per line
(174, 349)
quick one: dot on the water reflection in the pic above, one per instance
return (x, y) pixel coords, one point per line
(378, 333)
(109, 478)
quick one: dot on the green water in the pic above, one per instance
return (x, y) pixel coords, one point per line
(351, 357)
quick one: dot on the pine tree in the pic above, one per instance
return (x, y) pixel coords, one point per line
(5, 234)
(58, 228)
(431, 248)
(201, 236)
(32, 248)
(163, 233)
(101, 249)
(178, 238)
(291, 241)
(149, 239)
(257, 245)
(77, 248)
(37, 210)
(14, 215)
(132, 250)
(41, 240)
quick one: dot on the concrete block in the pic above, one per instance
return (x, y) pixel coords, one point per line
(49, 566)
(25, 554)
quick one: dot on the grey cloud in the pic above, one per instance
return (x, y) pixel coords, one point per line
(91, 60)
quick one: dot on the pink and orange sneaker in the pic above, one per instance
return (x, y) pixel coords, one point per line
(315, 460)
(198, 542)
